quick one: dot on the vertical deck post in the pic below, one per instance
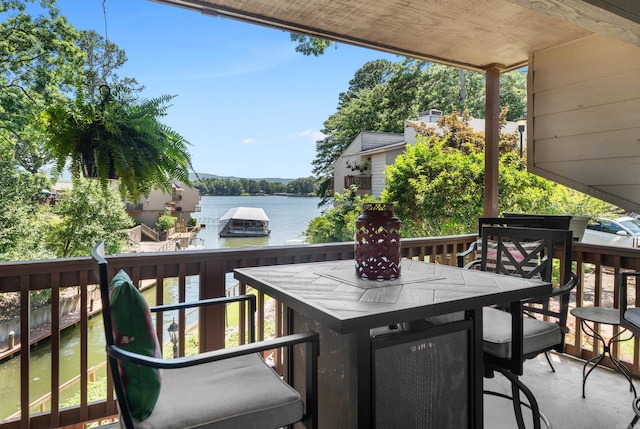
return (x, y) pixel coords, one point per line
(491, 140)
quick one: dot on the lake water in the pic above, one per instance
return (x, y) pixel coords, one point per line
(289, 218)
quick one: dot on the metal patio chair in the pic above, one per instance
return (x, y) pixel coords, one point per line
(630, 319)
(516, 220)
(228, 388)
(513, 335)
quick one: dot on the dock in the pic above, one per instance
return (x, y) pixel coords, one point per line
(43, 332)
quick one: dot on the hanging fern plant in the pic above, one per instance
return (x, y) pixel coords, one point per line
(118, 138)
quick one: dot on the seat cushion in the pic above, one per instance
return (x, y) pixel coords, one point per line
(242, 392)
(134, 332)
(632, 315)
(538, 334)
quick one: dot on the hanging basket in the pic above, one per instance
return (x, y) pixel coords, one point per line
(377, 246)
(89, 167)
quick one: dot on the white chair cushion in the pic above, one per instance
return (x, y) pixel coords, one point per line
(242, 392)
(538, 334)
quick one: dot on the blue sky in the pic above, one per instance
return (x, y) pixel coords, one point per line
(246, 101)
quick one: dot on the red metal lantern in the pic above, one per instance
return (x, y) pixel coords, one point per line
(377, 246)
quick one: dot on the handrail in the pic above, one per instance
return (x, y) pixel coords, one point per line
(209, 266)
(149, 232)
(596, 266)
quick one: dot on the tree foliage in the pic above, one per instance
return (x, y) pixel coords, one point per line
(338, 222)
(383, 94)
(437, 185)
(21, 220)
(71, 235)
(121, 136)
(102, 60)
(39, 61)
(227, 187)
(308, 45)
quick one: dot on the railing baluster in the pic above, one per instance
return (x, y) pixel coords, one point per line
(182, 319)
(84, 345)
(25, 319)
(55, 349)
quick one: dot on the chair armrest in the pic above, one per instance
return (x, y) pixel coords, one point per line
(211, 301)
(217, 301)
(567, 287)
(462, 255)
(622, 280)
(562, 290)
(152, 362)
(471, 265)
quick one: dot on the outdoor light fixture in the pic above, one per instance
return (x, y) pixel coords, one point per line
(522, 123)
(173, 336)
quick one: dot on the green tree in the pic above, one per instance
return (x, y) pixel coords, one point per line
(308, 45)
(70, 232)
(382, 95)
(302, 186)
(436, 188)
(166, 221)
(338, 222)
(22, 220)
(102, 59)
(437, 185)
(264, 186)
(39, 62)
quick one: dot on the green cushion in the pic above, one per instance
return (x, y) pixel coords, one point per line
(133, 331)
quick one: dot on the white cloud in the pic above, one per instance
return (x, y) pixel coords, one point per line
(312, 134)
(249, 140)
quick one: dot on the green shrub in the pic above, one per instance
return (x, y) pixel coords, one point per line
(166, 221)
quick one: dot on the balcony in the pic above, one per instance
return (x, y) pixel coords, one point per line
(362, 182)
(206, 273)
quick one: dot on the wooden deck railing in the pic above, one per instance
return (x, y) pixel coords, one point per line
(597, 266)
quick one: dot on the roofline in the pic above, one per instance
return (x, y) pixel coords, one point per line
(236, 14)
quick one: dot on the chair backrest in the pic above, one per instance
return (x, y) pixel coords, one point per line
(516, 222)
(548, 221)
(629, 316)
(476, 247)
(526, 252)
(101, 272)
(529, 253)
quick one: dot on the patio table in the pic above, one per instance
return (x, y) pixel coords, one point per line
(603, 316)
(393, 353)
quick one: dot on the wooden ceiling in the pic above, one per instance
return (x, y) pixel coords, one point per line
(472, 34)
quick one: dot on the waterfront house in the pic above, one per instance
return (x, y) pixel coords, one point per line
(181, 201)
(363, 162)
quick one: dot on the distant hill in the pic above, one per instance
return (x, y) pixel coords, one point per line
(192, 176)
(66, 177)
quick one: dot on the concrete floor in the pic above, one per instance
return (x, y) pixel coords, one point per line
(607, 404)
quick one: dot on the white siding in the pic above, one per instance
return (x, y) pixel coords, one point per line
(378, 164)
(584, 107)
(154, 205)
(366, 140)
